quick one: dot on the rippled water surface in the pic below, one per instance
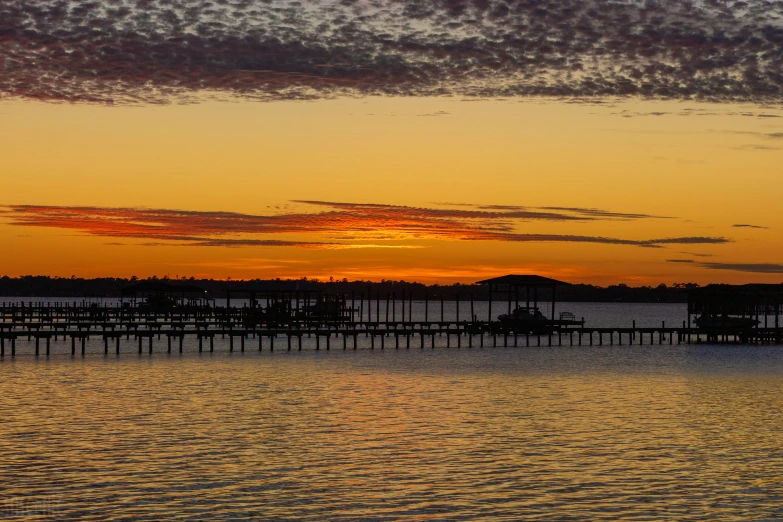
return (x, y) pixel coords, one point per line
(642, 432)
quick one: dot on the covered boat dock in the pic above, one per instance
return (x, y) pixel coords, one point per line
(759, 302)
(513, 285)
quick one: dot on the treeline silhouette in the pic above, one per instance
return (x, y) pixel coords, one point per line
(45, 286)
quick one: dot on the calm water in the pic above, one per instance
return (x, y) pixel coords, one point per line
(642, 432)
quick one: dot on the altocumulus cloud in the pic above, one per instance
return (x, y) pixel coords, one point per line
(341, 225)
(126, 51)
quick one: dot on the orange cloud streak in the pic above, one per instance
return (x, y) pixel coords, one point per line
(341, 225)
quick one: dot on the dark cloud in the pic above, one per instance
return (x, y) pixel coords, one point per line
(435, 114)
(577, 213)
(599, 213)
(745, 225)
(695, 240)
(695, 254)
(492, 212)
(125, 51)
(751, 146)
(343, 225)
(646, 243)
(238, 243)
(769, 135)
(635, 114)
(698, 112)
(759, 268)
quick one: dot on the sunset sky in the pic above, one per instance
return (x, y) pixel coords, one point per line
(432, 140)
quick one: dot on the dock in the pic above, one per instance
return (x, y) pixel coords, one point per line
(161, 317)
(125, 329)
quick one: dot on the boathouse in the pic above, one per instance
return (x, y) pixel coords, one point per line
(515, 287)
(756, 301)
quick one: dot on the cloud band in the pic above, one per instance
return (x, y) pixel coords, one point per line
(151, 51)
(340, 225)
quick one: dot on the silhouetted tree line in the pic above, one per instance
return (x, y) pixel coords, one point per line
(44, 286)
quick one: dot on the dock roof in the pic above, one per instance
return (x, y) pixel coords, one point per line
(522, 280)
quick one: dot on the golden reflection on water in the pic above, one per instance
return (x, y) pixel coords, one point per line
(422, 435)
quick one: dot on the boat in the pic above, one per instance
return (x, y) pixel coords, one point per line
(725, 322)
(526, 319)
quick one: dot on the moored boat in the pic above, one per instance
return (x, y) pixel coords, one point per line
(725, 322)
(531, 320)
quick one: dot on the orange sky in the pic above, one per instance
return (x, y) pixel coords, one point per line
(695, 171)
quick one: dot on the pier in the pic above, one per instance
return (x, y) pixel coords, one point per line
(160, 317)
(128, 329)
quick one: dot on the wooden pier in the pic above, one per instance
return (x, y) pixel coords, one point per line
(126, 329)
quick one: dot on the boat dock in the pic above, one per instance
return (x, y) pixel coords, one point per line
(161, 317)
(126, 329)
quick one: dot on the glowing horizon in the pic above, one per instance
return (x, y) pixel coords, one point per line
(431, 141)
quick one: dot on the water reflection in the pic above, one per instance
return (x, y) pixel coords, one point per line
(438, 434)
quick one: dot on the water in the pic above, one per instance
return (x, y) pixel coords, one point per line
(596, 433)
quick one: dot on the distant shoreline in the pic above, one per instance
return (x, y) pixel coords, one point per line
(54, 287)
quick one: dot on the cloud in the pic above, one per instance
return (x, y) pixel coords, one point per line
(435, 114)
(469, 211)
(759, 268)
(745, 225)
(634, 114)
(599, 213)
(694, 240)
(769, 135)
(237, 243)
(341, 225)
(155, 51)
(577, 213)
(755, 147)
(625, 113)
(695, 254)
